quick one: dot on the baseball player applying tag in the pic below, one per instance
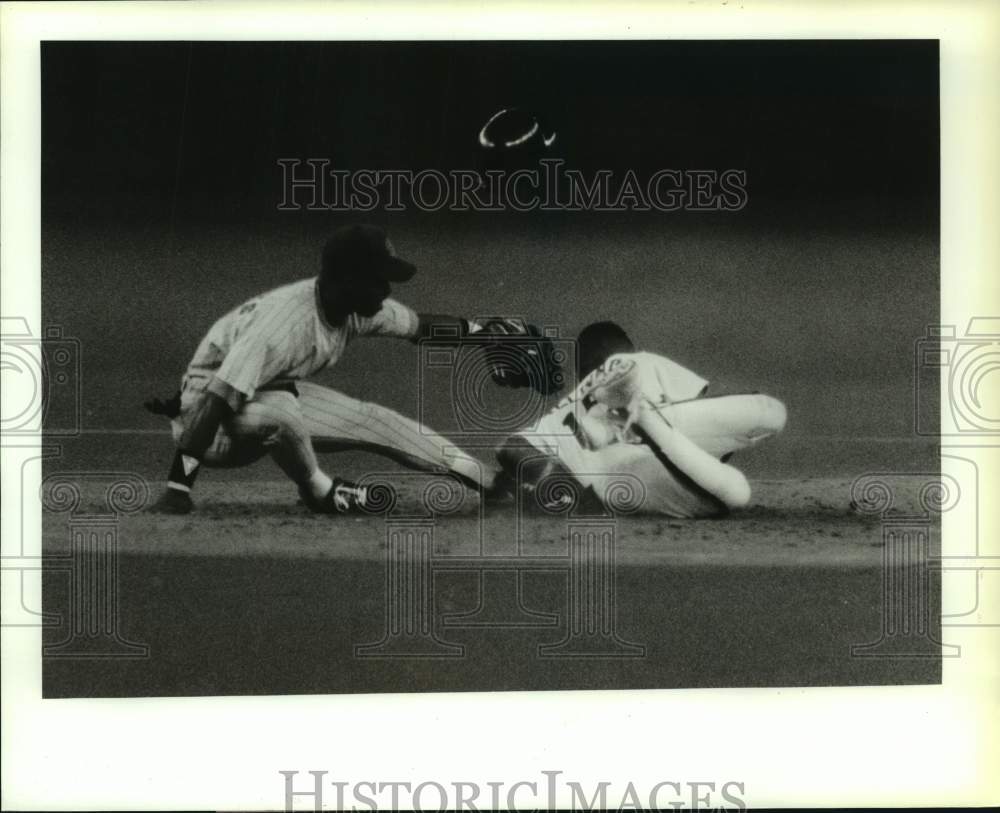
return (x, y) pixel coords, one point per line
(642, 416)
(245, 394)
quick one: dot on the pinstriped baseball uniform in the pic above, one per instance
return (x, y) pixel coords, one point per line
(281, 337)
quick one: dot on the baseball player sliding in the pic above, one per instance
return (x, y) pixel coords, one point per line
(640, 418)
(244, 394)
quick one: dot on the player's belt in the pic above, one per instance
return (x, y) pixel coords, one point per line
(280, 386)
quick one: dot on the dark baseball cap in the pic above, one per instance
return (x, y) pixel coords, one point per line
(364, 250)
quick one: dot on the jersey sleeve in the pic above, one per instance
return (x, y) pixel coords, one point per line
(669, 380)
(624, 378)
(395, 319)
(260, 352)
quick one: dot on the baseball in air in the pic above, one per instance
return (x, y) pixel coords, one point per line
(515, 138)
(513, 128)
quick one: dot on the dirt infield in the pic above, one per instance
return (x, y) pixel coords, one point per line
(252, 594)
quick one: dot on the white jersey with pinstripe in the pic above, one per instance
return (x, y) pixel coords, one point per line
(282, 336)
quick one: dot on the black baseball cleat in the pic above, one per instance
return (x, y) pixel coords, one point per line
(344, 497)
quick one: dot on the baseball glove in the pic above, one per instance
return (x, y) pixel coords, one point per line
(520, 356)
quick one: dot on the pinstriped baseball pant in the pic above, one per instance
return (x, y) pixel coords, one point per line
(292, 429)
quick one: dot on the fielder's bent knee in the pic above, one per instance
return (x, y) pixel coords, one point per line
(284, 430)
(274, 418)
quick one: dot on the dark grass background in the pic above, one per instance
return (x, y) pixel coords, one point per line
(160, 188)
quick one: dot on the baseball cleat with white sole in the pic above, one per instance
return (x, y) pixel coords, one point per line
(344, 497)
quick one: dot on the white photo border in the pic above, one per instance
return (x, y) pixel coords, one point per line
(873, 746)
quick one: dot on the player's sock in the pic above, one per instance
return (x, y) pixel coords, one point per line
(183, 471)
(319, 484)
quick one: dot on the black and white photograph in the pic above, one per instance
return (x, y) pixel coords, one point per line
(538, 366)
(427, 366)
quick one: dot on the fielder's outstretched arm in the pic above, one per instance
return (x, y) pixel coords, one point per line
(442, 327)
